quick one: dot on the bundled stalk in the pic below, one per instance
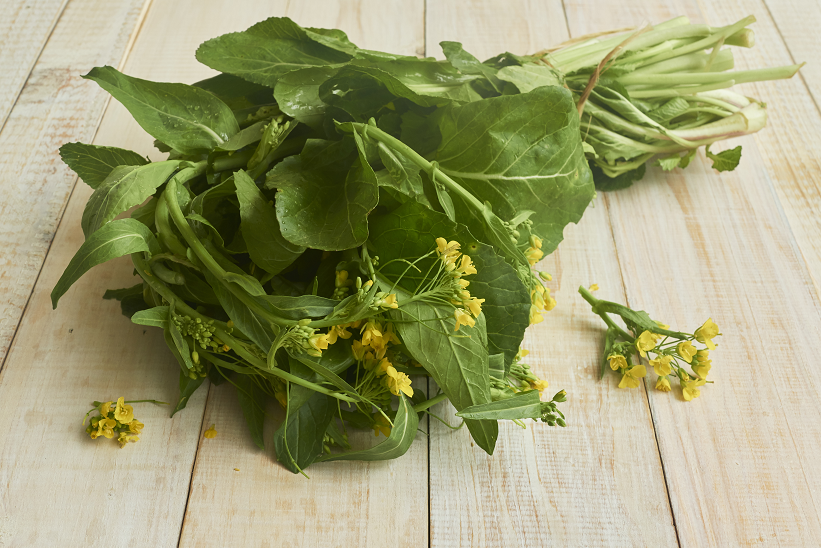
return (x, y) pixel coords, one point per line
(661, 92)
(332, 221)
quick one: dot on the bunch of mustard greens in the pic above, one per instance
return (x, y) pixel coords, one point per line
(332, 221)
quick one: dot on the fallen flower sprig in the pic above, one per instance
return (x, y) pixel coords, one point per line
(116, 420)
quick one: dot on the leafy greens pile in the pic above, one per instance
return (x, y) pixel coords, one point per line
(323, 209)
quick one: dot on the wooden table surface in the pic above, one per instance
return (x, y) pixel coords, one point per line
(736, 467)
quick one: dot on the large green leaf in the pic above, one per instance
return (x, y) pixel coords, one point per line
(125, 187)
(529, 76)
(520, 152)
(297, 94)
(252, 401)
(396, 445)
(525, 405)
(268, 249)
(325, 195)
(410, 232)
(186, 118)
(457, 361)
(272, 48)
(94, 163)
(153, 317)
(117, 238)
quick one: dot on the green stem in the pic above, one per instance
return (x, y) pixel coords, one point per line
(594, 303)
(429, 403)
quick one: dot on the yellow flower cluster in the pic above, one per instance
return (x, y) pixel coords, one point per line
(540, 300)
(467, 307)
(534, 253)
(371, 350)
(119, 422)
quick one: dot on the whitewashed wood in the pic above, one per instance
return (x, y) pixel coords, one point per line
(55, 106)
(381, 504)
(25, 26)
(740, 461)
(598, 482)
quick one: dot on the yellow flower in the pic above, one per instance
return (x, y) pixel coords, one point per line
(125, 438)
(342, 279)
(646, 341)
(523, 353)
(358, 350)
(338, 332)
(661, 365)
(631, 377)
(105, 409)
(463, 318)
(463, 283)
(475, 306)
(211, 432)
(466, 267)
(398, 382)
(106, 428)
(706, 333)
(381, 424)
(663, 384)
(550, 304)
(594, 287)
(536, 299)
(536, 242)
(546, 276)
(389, 335)
(448, 251)
(535, 317)
(318, 343)
(533, 255)
(539, 385)
(390, 301)
(689, 389)
(702, 369)
(382, 367)
(123, 413)
(617, 361)
(703, 356)
(135, 426)
(370, 331)
(686, 350)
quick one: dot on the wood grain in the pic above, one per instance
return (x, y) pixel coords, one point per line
(380, 504)
(739, 460)
(25, 27)
(55, 106)
(598, 482)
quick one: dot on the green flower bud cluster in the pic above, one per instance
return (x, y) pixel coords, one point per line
(198, 371)
(201, 332)
(550, 412)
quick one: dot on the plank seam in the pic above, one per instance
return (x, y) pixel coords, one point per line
(33, 65)
(194, 465)
(646, 390)
(789, 51)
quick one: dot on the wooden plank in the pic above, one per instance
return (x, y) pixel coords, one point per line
(55, 106)
(25, 27)
(796, 22)
(60, 361)
(599, 481)
(739, 460)
(379, 504)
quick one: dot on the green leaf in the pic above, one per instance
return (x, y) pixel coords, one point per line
(496, 366)
(268, 249)
(525, 405)
(117, 238)
(322, 203)
(94, 163)
(725, 161)
(298, 442)
(153, 317)
(246, 320)
(245, 137)
(270, 49)
(520, 152)
(404, 175)
(252, 401)
(668, 163)
(125, 187)
(529, 76)
(186, 118)
(187, 388)
(457, 361)
(625, 180)
(410, 232)
(396, 445)
(297, 308)
(297, 94)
